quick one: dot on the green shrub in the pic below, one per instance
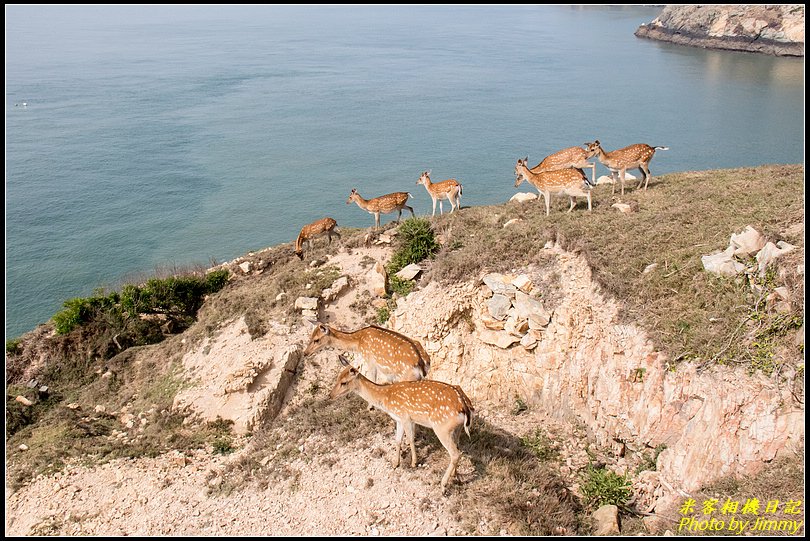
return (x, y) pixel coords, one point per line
(400, 286)
(417, 242)
(80, 310)
(601, 486)
(13, 346)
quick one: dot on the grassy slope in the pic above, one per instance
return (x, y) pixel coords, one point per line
(688, 313)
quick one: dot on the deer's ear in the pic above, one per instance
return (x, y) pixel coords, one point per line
(324, 329)
(343, 360)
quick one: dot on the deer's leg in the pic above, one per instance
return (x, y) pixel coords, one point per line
(410, 430)
(645, 170)
(398, 439)
(547, 197)
(589, 200)
(434, 206)
(622, 172)
(613, 179)
(411, 209)
(593, 174)
(571, 200)
(441, 206)
(376, 220)
(446, 437)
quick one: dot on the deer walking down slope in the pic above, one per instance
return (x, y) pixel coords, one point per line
(434, 404)
(389, 356)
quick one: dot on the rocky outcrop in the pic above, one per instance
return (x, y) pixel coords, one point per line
(771, 29)
(587, 366)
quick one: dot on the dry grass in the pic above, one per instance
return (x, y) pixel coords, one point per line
(688, 312)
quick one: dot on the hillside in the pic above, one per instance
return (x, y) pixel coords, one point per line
(635, 377)
(770, 29)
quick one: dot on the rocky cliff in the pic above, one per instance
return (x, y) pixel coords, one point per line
(771, 29)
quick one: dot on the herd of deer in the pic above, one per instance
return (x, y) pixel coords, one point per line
(396, 366)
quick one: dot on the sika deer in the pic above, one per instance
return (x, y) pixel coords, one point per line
(631, 157)
(568, 157)
(449, 189)
(324, 226)
(434, 404)
(571, 182)
(389, 356)
(384, 204)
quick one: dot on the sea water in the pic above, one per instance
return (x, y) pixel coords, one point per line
(141, 137)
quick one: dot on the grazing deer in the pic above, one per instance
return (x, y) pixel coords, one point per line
(568, 157)
(384, 204)
(389, 355)
(619, 161)
(434, 404)
(449, 189)
(324, 226)
(571, 182)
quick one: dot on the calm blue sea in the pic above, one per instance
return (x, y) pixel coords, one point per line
(156, 136)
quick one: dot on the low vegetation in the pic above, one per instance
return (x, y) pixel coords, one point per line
(99, 365)
(691, 314)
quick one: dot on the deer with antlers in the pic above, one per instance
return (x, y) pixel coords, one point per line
(389, 356)
(630, 157)
(571, 182)
(449, 189)
(433, 404)
(385, 204)
(323, 227)
(568, 157)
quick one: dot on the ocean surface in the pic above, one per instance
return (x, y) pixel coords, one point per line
(146, 137)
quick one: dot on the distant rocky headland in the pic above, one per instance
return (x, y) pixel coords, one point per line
(770, 29)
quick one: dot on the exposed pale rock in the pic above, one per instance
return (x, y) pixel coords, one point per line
(747, 242)
(332, 292)
(770, 252)
(497, 338)
(378, 280)
(523, 283)
(513, 221)
(491, 323)
(306, 303)
(498, 306)
(722, 263)
(245, 267)
(409, 272)
(528, 341)
(649, 268)
(522, 197)
(498, 283)
(527, 306)
(24, 401)
(622, 207)
(606, 520)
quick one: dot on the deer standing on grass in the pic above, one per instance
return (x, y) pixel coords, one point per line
(389, 356)
(449, 189)
(434, 404)
(571, 182)
(568, 157)
(385, 204)
(325, 226)
(631, 157)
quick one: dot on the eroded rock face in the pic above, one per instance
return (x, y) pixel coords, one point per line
(585, 364)
(771, 29)
(237, 378)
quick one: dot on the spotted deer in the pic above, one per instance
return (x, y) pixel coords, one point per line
(385, 204)
(568, 157)
(449, 189)
(325, 226)
(388, 355)
(631, 157)
(571, 182)
(433, 404)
